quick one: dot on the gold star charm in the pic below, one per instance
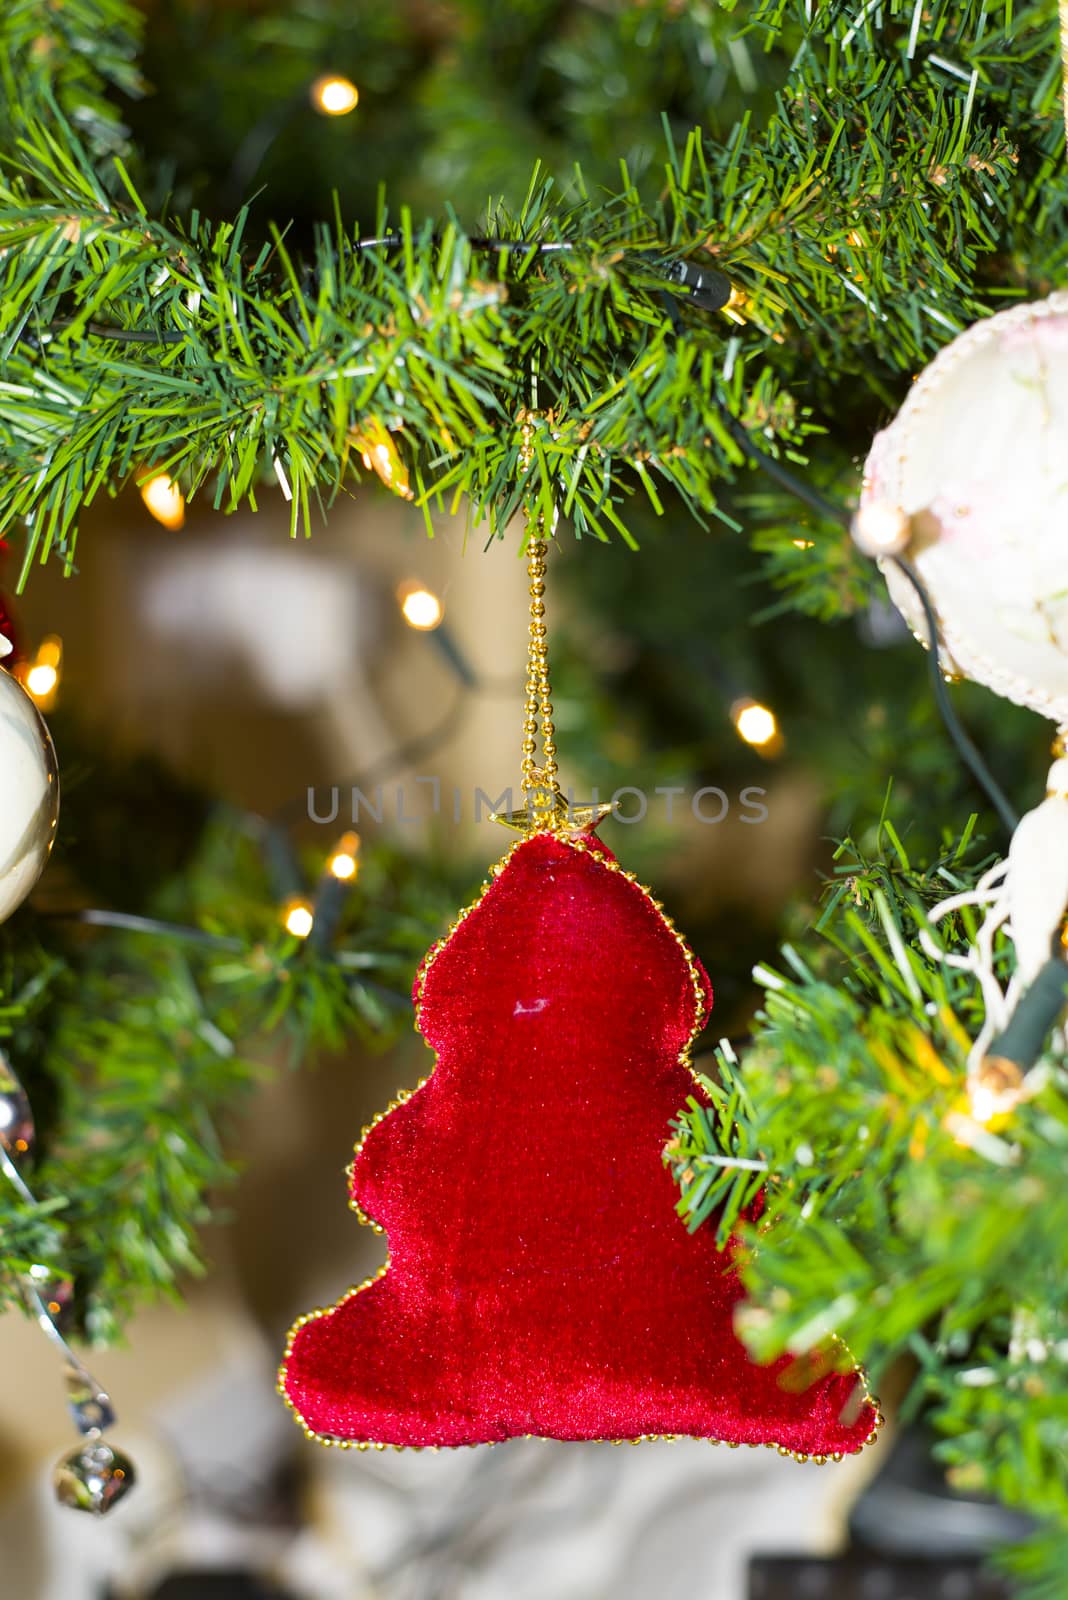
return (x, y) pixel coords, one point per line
(549, 811)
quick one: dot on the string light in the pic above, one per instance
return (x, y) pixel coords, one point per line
(298, 918)
(982, 1104)
(344, 863)
(420, 607)
(164, 500)
(737, 301)
(995, 1090)
(379, 454)
(803, 544)
(334, 96)
(757, 725)
(40, 677)
(341, 872)
(881, 529)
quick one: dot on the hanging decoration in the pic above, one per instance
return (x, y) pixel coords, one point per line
(94, 1476)
(545, 1285)
(968, 482)
(965, 503)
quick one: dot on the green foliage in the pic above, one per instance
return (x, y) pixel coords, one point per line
(138, 1049)
(870, 179)
(893, 1218)
(877, 208)
(75, 52)
(454, 103)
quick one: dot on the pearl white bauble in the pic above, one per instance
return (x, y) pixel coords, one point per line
(977, 460)
(29, 794)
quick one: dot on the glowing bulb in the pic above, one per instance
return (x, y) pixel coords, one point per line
(737, 301)
(756, 724)
(420, 607)
(298, 919)
(881, 529)
(803, 544)
(41, 681)
(164, 500)
(379, 453)
(41, 675)
(995, 1090)
(982, 1103)
(334, 96)
(343, 863)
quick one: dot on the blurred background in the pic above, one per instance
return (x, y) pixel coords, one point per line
(241, 670)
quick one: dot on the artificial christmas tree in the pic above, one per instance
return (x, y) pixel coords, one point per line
(864, 183)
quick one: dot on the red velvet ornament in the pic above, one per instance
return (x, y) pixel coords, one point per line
(540, 1280)
(8, 628)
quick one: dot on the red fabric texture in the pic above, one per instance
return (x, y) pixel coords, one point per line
(8, 626)
(540, 1280)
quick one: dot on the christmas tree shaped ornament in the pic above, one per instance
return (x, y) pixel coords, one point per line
(29, 791)
(539, 1280)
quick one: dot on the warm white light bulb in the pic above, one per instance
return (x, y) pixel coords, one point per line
(40, 677)
(982, 1103)
(41, 681)
(299, 920)
(335, 96)
(164, 500)
(343, 864)
(420, 607)
(756, 724)
(881, 529)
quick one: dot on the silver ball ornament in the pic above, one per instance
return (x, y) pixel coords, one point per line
(18, 1133)
(29, 794)
(93, 1478)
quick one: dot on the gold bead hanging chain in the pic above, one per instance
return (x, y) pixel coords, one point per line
(539, 781)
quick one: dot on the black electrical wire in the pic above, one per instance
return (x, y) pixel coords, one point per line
(840, 514)
(967, 750)
(707, 288)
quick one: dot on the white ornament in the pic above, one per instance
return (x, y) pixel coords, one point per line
(977, 460)
(29, 794)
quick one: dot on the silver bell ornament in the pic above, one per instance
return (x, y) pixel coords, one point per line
(29, 793)
(93, 1478)
(18, 1134)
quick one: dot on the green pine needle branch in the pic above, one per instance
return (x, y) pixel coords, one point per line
(892, 1218)
(879, 210)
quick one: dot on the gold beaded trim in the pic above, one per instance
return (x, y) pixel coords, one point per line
(583, 847)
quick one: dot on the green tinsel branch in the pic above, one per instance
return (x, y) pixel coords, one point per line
(850, 221)
(897, 1217)
(139, 1049)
